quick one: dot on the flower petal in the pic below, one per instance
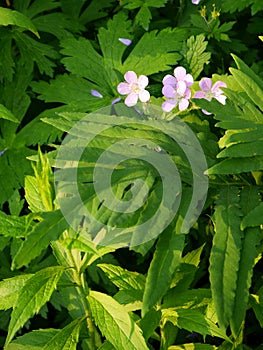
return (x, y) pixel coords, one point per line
(96, 93)
(126, 42)
(169, 80)
(183, 104)
(130, 77)
(205, 84)
(187, 93)
(144, 95)
(168, 91)
(115, 100)
(218, 85)
(189, 79)
(143, 81)
(180, 73)
(168, 105)
(205, 112)
(221, 99)
(181, 88)
(123, 88)
(131, 99)
(199, 94)
(195, 2)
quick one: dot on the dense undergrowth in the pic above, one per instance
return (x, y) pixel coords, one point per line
(171, 257)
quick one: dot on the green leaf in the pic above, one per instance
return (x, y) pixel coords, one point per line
(225, 254)
(196, 56)
(35, 293)
(143, 17)
(115, 323)
(39, 191)
(235, 166)
(193, 321)
(154, 52)
(34, 340)
(8, 17)
(66, 338)
(9, 290)
(251, 88)
(248, 197)
(6, 114)
(254, 217)
(162, 269)
(50, 228)
(14, 226)
(123, 278)
(106, 346)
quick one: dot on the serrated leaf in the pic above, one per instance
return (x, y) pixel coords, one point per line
(6, 114)
(9, 290)
(50, 228)
(32, 195)
(143, 17)
(235, 166)
(123, 278)
(225, 254)
(66, 338)
(34, 340)
(34, 294)
(8, 17)
(162, 269)
(196, 56)
(248, 197)
(193, 321)
(115, 323)
(13, 226)
(154, 52)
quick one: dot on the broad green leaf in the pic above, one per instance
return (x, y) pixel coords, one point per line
(6, 114)
(112, 49)
(225, 253)
(35, 293)
(248, 197)
(106, 346)
(66, 338)
(162, 269)
(254, 217)
(32, 195)
(34, 340)
(50, 228)
(130, 298)
(154, 52)
(9, 290)
(196, 56)
(8, 17)
(115, 323)
(193, 321)
(123, 278)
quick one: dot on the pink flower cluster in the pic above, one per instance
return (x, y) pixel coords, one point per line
(176, 90)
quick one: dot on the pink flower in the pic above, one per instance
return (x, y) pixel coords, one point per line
(176, 96)
(179, 75)
(195, 2)
(176, 90)
(210, 91)
(134, 88)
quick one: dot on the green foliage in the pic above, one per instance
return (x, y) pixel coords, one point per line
(170, 258)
